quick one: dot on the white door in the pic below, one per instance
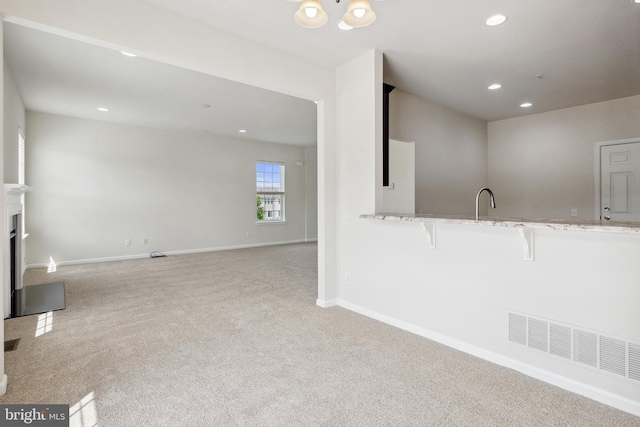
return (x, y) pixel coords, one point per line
(400, 195)
(620, 182)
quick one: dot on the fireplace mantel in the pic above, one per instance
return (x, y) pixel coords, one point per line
(15, 190)
(12, 206)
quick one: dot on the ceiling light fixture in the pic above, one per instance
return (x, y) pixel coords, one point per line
(526, 105)
(312, 15)
(242, 131)
(103, 109)
(129, 54)
(495, 20)
(359, 14)
(495, 86)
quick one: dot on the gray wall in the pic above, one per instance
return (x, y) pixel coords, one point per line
(97, 184)
(451, 153)
(543, 165)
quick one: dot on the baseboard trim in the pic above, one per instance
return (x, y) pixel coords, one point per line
(228, 248)
(602, 396)
(326, 303)
(90, 260)
(181, 252)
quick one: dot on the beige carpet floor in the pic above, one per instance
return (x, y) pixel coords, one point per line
(235, 338)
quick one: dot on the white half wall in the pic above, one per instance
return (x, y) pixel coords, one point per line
(542, 165)
(460, 292)
(451, 153)
(97, 184)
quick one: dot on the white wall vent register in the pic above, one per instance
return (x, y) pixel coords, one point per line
(610, 354)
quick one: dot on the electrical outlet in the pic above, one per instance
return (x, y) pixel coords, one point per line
(127, 242)
(574, 212)
(145, 242)
(247, 233)
(347, 278)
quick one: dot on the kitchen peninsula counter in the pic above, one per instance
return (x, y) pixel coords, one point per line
(550, 224)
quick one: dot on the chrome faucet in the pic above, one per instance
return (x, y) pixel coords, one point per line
(492, 200)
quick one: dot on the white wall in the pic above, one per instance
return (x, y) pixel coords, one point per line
(14, 119)
(451, 153)
(311, 192)
(97, 184)
(542, 165)
(360, 146)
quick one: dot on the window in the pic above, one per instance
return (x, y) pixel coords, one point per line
(270, 192)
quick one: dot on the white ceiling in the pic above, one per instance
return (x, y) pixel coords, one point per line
(441, 50)
(63, 76)
(585, 50)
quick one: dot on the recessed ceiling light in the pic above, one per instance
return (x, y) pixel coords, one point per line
(102, 109)
(242, 131)
(526, 105)
(495, 20)
(495, 86)
(132, 55)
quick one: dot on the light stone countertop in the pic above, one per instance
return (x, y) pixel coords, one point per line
(551, 224)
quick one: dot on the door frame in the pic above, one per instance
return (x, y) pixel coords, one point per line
(597, 147)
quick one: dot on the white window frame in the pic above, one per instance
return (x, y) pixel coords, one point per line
(266, 192)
